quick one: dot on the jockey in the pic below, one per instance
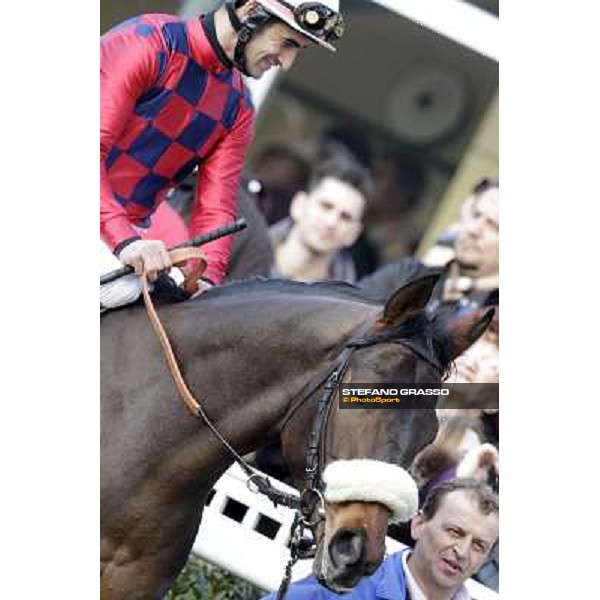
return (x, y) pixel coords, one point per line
(172, 99)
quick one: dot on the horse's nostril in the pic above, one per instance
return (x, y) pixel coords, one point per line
(347, 546)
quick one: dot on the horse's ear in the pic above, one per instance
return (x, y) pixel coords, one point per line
(465, 329)
(408, 300)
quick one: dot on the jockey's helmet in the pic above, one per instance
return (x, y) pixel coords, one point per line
(318, 21)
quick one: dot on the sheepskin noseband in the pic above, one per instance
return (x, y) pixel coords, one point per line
(366, 480)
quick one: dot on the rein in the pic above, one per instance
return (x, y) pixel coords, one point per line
(311, 495)
(178, 257)
(261, 483)
(333, 378)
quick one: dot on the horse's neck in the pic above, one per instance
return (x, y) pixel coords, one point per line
(245, 363)
(276, 331)
(255, 365)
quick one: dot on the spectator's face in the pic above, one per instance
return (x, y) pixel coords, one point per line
(480, 363)
(330, 217)
(276, 45)
(477, 246)
(453, 545)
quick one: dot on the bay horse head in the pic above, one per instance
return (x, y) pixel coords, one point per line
(367, 451)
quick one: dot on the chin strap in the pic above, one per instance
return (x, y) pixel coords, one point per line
(245, 31)
(235, 21)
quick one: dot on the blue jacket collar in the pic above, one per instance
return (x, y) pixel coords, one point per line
(392, 585)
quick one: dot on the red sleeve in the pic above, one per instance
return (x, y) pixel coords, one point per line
(128, 67)
(166, 225)
(216, 191)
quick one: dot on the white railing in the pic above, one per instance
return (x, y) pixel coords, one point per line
(245, 534)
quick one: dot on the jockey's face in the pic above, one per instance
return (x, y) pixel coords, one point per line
(329, 217)
(276, 45)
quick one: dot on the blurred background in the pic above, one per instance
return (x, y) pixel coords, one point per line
(412, 92)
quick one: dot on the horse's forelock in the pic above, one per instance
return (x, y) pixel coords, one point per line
(442, 343)
(429, 332)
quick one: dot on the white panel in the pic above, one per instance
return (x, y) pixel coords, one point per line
(462, 22)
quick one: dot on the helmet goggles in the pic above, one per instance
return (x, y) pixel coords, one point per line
(319, 20)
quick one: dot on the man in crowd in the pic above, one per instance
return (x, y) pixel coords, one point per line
(454, 533)
(477, 258)
(324, 221)
(471, 262)
(172, 98)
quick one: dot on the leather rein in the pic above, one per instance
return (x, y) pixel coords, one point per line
(261, 483)
(310, 506)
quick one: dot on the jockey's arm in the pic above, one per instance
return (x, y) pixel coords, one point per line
(216, 191)
(128, 68)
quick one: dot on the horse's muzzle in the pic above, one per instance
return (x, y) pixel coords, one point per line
(347, 547)
(347, 560)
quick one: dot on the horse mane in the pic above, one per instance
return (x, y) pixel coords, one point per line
(321, 289)
(426, 325)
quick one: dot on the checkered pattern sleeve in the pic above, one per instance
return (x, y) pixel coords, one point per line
(128, 68)
(218, 180)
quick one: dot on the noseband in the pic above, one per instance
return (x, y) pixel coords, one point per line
(315, 453)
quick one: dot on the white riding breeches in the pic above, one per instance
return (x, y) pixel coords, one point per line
(126, 289)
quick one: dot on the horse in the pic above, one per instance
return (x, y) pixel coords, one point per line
(252, 352)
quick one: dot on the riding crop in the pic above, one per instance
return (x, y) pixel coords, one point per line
(211, 236)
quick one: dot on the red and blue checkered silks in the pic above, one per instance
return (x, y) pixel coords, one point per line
(167, 105)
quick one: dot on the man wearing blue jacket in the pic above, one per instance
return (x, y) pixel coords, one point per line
(454, 532)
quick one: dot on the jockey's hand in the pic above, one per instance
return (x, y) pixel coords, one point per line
(150, 256)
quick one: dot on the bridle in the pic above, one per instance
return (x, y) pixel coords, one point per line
(310, 510)
(310, 506)
(332, 378)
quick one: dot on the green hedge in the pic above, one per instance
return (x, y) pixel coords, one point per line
(201, 580)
